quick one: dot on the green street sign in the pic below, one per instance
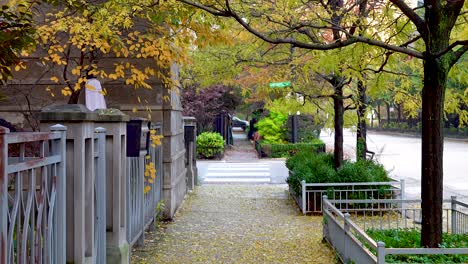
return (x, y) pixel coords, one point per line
(280, 84)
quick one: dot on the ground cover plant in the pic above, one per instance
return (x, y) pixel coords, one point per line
(411, 238)
(210, 145)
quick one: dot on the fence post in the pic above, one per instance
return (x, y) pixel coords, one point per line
(380, 252)
(403, 197)
(60, 216)
(100, 179)
(3, 194)
(303, 197)
(454, 216)
(141, 197)
(346, 229)
(325, 222)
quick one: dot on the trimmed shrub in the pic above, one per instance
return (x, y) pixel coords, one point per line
(288, 150)
(210, 145)
(310, 167)
(362, 171)
(319, 168)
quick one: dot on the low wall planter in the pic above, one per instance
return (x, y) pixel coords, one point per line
(350, 231)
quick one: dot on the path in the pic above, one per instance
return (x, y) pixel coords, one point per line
(237, 224)
(234, 219)
(242, 165)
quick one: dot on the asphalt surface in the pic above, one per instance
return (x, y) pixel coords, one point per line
(401, 155)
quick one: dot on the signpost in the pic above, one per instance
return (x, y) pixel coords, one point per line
(280, 84)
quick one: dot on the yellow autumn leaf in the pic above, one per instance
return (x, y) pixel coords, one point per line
(54, 79)
(90, 87)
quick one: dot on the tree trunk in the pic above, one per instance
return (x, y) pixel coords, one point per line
(435, 77)
(74, 97)
(379, 117)
(388, 114)
(339, 112)
(399, 113)
(361, 135)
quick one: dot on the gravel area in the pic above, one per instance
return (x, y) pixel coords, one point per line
(237, 224)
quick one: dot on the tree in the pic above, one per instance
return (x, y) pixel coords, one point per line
(206, 104)
(129, 42)
(392, 26)
(16, 34)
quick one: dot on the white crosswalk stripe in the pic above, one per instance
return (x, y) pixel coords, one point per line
(238, 173)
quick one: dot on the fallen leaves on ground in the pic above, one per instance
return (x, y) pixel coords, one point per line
(237, 224)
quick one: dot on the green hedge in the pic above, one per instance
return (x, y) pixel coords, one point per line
(288, 150)
(210, 145)
(319, 168)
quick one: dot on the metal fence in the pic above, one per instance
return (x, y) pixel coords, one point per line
(32, 196)
(310, 198)
(153, 196)
(344, 226)
(141, 207)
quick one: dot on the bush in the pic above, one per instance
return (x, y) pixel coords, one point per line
(310, 167)
(362, 171)
(271, 128)
(288, 150)
(210, 145)
(319, 168)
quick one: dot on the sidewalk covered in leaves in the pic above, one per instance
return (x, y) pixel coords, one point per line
(237, 224)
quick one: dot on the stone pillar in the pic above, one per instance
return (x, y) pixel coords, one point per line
(80, 177)
(174, 181)
(80, 154)
(190, 135)
(115, 123)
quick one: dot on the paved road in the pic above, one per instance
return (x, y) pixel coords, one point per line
(402, 156)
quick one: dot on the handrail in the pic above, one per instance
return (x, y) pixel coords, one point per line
(361, 232)
(23, 137)
(348, 184)
(425, 251)
(400, 201)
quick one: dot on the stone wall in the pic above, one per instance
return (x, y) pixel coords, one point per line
(28, 94)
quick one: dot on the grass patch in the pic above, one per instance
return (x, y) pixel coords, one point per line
(411, 238)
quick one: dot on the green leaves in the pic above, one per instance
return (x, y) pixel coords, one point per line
(411, 238)
(271, 128)
(210, 145)
(16, 34)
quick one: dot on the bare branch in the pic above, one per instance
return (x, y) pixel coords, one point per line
(456, 55)
(409, 12)
(210, 10)
(451, 46)
(339, 43)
